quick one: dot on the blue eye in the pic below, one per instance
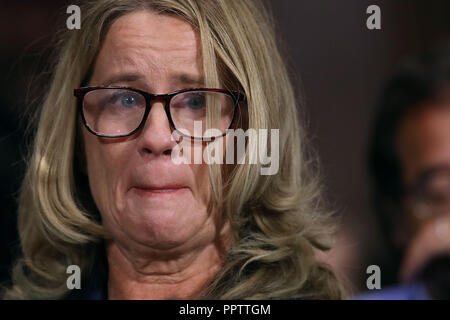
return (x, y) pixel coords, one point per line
(128, 101)
(196, 101)
(124, 100)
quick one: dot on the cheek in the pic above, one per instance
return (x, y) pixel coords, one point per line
(202, 184)
(105, 168)
(200, 171)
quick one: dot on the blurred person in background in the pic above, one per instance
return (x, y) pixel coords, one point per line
(410, 167)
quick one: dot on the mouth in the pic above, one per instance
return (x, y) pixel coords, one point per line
(159, 190)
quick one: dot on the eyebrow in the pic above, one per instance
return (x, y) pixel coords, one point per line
(123, 77)
(187, 79)
(181, 79)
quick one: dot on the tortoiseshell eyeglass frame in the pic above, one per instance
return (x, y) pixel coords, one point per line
(149, 98)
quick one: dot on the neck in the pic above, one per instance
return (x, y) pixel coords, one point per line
(159, 274)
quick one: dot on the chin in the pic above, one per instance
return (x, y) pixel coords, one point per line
(163, 228)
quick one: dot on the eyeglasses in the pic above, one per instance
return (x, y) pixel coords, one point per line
(200, 113)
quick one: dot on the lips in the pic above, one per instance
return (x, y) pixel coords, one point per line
(157, 179)
(159, 189)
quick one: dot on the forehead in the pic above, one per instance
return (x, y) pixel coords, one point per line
(151, 45)
(423, 139)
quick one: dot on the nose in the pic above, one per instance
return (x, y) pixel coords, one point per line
(155, 137)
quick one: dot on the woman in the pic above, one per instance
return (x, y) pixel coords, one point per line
(102, 190)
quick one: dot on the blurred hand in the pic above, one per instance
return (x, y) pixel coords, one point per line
(431, 240)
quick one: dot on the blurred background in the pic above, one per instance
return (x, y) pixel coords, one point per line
(341, 68)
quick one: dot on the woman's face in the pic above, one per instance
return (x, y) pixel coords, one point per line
(143, 196)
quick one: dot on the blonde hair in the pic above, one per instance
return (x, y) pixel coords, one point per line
(277, 221)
